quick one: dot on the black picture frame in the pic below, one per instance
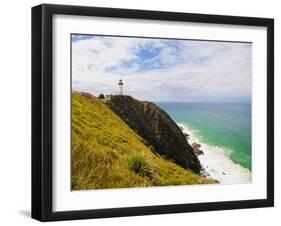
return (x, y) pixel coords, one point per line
(42, 111)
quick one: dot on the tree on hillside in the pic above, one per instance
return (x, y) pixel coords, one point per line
(101, 96)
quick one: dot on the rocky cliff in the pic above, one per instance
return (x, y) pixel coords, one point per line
(107, 153)
(156, 127)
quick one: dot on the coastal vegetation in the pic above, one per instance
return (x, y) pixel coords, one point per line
(108, 152)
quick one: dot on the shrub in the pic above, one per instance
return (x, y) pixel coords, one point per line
(101, 96)
(140, 166)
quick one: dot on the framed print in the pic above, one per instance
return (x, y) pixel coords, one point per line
(145, 112)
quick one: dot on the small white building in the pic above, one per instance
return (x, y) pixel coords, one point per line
(120, 84)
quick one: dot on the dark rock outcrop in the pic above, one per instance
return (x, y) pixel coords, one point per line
(156, 127)
(196, 149)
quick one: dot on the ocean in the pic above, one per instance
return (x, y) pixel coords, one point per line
(224, 132)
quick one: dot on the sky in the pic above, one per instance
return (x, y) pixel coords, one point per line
(162, 69)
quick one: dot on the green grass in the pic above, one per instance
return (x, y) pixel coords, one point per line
(140, 166)
(106, 153)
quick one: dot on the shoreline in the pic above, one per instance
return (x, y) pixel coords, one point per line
(216, 163)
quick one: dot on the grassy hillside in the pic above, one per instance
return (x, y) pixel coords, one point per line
(106, 153)
(154, 125)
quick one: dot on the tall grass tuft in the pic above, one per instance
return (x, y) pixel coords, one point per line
(140, 166)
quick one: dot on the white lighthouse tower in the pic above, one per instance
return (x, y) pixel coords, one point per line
(120, 84)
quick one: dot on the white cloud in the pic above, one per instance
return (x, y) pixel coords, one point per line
(192, 70)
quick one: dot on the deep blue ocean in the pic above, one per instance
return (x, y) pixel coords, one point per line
(224, 125)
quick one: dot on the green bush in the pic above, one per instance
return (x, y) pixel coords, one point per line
(140, 166)
(101, 96)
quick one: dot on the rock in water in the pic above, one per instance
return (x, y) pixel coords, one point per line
(196, 149)
(156, 127)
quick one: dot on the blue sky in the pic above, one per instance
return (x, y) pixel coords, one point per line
(162, 69)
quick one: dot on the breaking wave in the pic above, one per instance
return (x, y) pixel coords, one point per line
(216, 162)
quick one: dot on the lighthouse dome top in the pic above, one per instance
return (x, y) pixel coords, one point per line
(120, 82)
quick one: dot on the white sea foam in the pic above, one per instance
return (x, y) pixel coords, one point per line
(216, 162)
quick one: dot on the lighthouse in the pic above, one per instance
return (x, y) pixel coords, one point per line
(120, 84)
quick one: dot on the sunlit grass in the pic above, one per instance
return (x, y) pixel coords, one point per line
(106, 153)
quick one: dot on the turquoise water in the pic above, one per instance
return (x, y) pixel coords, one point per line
(225, 125)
